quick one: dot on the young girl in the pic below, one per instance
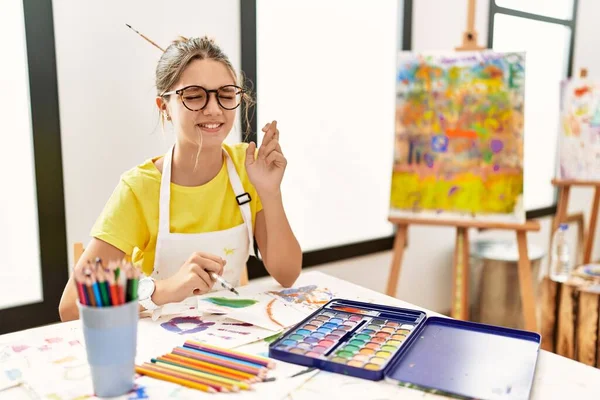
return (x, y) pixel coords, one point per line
(196, 210)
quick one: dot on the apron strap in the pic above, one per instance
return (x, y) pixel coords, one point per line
(243, 199)
(164, 202)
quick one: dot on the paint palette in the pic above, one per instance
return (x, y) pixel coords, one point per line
(349, 338)
(404, 346)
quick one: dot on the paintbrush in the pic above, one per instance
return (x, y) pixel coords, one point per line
(151, 42)
(223, 282)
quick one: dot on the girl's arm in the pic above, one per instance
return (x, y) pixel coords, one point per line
(278, 246)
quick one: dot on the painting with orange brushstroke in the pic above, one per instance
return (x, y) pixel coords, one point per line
(459, 136)
(579, 138)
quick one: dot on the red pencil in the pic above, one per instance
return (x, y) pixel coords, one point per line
(81, 292)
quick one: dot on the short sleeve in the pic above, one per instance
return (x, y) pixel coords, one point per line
(122, 223)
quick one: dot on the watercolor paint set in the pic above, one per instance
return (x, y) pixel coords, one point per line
(401, 345)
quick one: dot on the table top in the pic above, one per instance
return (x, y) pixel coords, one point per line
(556, 376)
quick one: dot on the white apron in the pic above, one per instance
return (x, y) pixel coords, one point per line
(174, 249)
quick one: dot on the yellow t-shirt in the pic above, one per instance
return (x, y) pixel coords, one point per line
(129, 220)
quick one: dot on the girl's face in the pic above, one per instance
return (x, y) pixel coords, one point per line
(212, 122)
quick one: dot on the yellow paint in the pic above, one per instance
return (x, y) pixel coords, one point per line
(497, 194)
(228, 252)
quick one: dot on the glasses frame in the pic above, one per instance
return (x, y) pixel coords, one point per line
(179, 92)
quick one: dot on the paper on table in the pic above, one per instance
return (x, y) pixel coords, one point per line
(271, 313)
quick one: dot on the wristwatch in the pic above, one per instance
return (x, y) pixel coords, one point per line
(145, 290)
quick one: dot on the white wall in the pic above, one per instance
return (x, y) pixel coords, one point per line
(331, 89)
(109, 121)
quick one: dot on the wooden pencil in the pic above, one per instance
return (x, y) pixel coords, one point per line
(218, 361)
(231, 353)
(102, 285)
(208, 374)
(232, 373)
(174, 379)
(224, 357)
(219, 387)
(230, 384)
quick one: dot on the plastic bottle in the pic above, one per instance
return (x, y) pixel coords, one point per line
(560, 261)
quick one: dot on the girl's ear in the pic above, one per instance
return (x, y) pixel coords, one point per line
(161, 103)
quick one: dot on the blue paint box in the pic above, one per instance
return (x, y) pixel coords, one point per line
(404, 346)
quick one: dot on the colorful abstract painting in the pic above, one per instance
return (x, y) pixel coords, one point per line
(579, 140)
(459, 136)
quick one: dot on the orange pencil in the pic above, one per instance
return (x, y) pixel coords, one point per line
(174, 379)
(207, 379)
(234, 374)
(210, 373)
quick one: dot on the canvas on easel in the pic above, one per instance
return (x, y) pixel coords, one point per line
(459, 136)
(579, 138)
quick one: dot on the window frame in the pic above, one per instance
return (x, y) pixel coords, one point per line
(46, 140)
(569, 23)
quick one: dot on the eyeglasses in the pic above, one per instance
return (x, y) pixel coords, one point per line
(195, 98)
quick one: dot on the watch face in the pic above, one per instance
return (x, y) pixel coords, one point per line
(145, 289)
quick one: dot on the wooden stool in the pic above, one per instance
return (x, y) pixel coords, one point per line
(570, 325)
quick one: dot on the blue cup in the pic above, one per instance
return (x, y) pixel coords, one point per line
(110, 335)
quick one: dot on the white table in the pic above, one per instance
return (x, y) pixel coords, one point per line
(556, 377)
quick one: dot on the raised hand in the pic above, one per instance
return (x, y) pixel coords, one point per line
(266, 170)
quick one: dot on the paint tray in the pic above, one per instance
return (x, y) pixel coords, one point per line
(443, 355)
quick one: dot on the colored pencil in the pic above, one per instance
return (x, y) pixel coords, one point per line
(230, 384)
(102, 286)
(232, 373)
(81, 293)
(231, 353)
(182, 373)
(223, 357)
(174, 379)
(207, 374)
(102, 282)
(217, 361)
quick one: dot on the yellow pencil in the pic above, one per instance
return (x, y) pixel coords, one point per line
(174, 379)
(229, 383)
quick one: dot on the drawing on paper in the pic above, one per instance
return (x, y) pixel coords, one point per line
(186, 325)
(230, 302)
(310, 294)
(579, 138)
(459, 136)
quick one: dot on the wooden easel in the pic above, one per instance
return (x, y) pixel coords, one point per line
(460, 289)
(564, 189)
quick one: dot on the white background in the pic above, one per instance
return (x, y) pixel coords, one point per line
(332, 91)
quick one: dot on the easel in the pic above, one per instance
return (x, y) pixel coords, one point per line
(564, 189)
(460, 290)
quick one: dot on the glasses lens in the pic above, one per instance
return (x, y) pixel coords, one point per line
(194, 97)
(230, 97)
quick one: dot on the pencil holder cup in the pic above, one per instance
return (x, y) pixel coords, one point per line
(110, 335)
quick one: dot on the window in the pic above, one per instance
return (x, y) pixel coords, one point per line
(545, 31)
